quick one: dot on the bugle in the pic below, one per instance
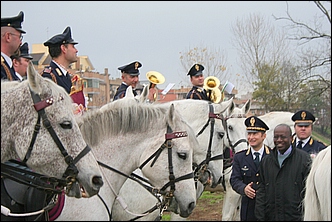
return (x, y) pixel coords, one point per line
(154, 79)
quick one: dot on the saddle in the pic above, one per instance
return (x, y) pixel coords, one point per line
(21, 198)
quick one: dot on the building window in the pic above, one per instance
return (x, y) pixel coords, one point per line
(93, 83)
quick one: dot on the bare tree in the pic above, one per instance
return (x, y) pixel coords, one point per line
(314, 40)
(258, 43)
(213, 60)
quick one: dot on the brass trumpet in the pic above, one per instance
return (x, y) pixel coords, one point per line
(211, 85)
(154, 79)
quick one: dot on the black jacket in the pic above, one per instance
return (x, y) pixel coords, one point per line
(54, 72)
(312, 146)
(245, 171)
(7, 72)
(121, 92)
(281, 190)
(197, 93)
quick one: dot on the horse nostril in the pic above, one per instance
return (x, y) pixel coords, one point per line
(98, 181)
(192, 206)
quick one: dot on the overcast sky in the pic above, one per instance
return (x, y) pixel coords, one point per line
(114, 33)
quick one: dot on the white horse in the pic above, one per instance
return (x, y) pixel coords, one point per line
(317, 200)
(197, 114)
(235, 137)
(124, 135)
(38, 127)
(232, 200)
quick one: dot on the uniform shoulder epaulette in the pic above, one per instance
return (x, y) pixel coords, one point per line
(58, 71)
(47, 70)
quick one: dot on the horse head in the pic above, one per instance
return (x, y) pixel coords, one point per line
(47, 138)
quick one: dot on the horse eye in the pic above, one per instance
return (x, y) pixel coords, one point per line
(66, 125)
(182, 156)
(221, 135)
(230, 128)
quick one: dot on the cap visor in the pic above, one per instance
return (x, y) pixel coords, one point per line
(20, 30)
(303, 124)
(253, 131)
(199, 73)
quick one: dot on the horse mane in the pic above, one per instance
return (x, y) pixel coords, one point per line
(317, 200)
(7, 85)
(124, 115)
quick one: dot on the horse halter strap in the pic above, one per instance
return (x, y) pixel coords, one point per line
(40, 105)
(224, 122)
(168, 144)
(204, 163)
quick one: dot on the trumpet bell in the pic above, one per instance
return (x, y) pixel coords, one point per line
(155, 77)
(211, 82)
(216, 95)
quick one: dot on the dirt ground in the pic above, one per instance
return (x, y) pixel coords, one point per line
(207, 210)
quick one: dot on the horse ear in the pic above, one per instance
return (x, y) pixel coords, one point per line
(129, 92)
(171, 115)
(34, 79)
(246, 107)
(229, 105)
(144, 95)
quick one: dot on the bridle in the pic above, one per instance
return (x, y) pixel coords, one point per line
(37, 180)
(201, 168)
(167, 195)
(232, 146)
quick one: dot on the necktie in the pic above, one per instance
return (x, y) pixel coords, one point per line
(299, 144)
(256, 160)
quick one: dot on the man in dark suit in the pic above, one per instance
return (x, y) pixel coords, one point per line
(21, 61)
(63, 52)
(11, 40)
(245, 175)
(130, 77)
(197, 79)
(303, 126)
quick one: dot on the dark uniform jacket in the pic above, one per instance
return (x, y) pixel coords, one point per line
(121, 92)
(7, 72)
(280, 192)
(244, 172)
(197, 93)
(54, 72)
(312, 146)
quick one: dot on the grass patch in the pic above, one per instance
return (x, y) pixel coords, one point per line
(321, 138)
(212, 196)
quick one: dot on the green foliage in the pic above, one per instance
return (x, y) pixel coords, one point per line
(321, 138)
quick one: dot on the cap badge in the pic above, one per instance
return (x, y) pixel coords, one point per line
(196, 67)
(303, 115)
(252, 121)
(136, 65)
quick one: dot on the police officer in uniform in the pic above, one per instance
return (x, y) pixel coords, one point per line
(303, 125)
(62, 49)
(197, 79)
(245, 175)
(21, 61)
(130, 77)
(11, 39)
